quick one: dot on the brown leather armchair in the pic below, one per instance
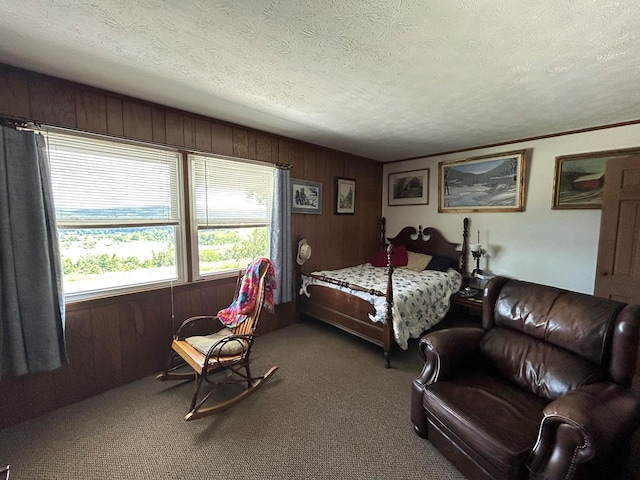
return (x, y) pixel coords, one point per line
(547, 388)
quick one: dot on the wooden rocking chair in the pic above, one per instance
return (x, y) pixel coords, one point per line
(227, 349)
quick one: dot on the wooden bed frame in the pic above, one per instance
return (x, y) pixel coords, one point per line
(351, 313)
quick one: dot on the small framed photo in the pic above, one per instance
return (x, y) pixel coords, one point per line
(306, 197)
(490, 183)
(409, 188)
(578, 181)
(345, 196)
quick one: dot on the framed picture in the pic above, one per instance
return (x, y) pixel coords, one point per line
(345, 195)
(306, 197)
(409, 188)
(578, 181)
(490, 183)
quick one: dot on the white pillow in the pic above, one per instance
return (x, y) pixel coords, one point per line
(417, 261)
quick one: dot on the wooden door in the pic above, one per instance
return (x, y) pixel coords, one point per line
(618, 267)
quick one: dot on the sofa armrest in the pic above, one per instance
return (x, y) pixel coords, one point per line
(446, 350)
(580, 426)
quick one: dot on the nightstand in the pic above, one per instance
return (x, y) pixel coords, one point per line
(470, 302)
(466, 310)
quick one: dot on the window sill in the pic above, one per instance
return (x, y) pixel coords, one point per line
(138, 293)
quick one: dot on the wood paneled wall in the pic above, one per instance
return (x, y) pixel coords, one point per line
(119, 339)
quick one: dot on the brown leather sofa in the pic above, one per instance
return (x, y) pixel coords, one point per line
(547, 388)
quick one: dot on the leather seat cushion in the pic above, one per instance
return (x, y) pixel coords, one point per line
(494, 420)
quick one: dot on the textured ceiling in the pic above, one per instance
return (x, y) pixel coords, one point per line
(380, 78)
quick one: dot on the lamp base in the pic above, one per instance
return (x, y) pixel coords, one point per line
(476, 272)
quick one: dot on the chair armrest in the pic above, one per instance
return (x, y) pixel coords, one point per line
(582, 425)
(215, 351)
(198, 325)
(446, 350)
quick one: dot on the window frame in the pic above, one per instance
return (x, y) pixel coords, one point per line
(193, 220)
(178, 225)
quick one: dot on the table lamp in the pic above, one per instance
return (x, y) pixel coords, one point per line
(476, 252)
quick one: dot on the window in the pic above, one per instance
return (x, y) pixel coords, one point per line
(118, 212)
(231, 208)
(119, 208)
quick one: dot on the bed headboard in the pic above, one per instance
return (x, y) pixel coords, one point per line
(430, 241)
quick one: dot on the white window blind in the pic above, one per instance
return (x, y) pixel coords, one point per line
(229, 193)
(103, 183)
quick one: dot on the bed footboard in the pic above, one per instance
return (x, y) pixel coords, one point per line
(349, 313)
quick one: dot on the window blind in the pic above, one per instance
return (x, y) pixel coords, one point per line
(98, 182)
(230, 193)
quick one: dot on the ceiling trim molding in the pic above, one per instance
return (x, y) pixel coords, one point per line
(528, 139)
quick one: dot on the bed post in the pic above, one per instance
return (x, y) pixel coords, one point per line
(383, 232)
(465, 247)
(388, 318)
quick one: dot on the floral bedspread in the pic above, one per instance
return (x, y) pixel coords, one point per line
(420, 299)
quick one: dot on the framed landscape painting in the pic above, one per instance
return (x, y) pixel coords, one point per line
(490, 183)
(345, 196)
(306, 197)
(579, 179)
(409, 188)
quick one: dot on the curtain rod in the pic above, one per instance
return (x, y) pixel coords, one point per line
(17, 122)
(23, 123)
(283, 166)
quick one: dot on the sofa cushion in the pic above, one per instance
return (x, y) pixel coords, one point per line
(574, 321)
(495, 421)
(537, 366)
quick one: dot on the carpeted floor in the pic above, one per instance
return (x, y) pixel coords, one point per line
(332, 411)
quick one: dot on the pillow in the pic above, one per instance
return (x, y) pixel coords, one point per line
(442, 263)
(417, 261)
(204, 343)
(398, 259)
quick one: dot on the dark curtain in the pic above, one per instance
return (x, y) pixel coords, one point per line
(280, 242)
(31, 299)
